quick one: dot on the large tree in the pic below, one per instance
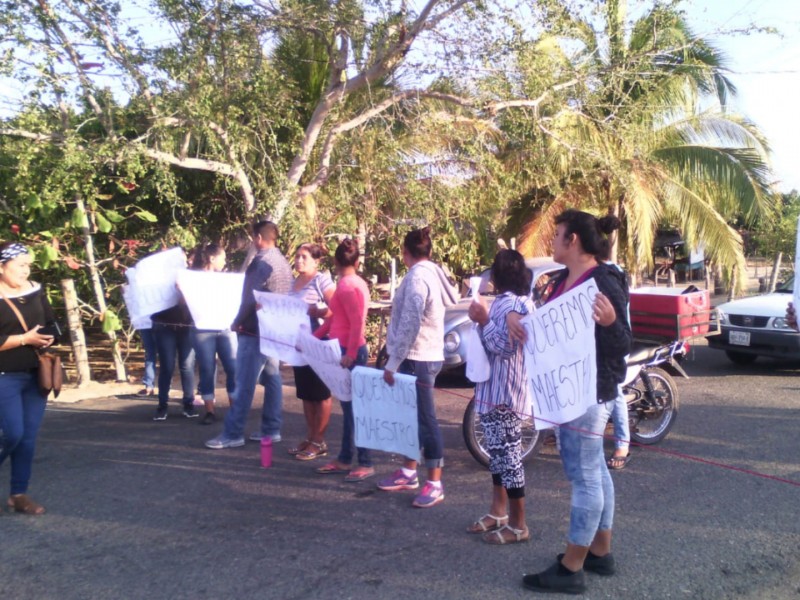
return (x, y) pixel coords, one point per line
(644, 133)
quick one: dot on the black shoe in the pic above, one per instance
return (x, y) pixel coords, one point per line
(146, 392)
(189, 412)
(552, 581)
(601, 565)
(161, 414)
(208, 418)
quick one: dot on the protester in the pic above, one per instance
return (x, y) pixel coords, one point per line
(173, 336)
(579, 243)
(150, 356)
(24, 312)
(415, 344)
(622, 434)
(503, 402)
(791, 317)
(346, 324)
(269, 272)
(208, 344)
(314, 288)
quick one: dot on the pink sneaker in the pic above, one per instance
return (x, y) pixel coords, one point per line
(430, 495)
(397, 481)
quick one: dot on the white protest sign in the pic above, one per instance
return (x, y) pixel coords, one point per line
(561, 358)
(138, 320)
(213, 298)
(279, 321)
(152, 283)
(796, 289)
(325, 356)
(385, 415)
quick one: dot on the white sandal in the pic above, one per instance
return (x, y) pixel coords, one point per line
(480, 526)
(498, 537)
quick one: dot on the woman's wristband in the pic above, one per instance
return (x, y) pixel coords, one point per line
(21, 340)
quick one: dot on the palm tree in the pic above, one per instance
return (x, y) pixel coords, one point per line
(631, 138)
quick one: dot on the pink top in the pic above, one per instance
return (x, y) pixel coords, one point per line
(349, 308)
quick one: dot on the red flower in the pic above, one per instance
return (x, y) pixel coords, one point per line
(15, 229)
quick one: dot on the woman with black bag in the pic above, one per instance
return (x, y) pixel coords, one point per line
(24, 312)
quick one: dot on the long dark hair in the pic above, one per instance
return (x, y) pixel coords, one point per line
(201, 259)
(510, 274)
(418, 243)
(592, 232)
(314, 250)
(346, 254)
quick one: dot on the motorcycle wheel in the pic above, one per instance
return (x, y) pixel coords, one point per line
(655, 408)
(473, 436)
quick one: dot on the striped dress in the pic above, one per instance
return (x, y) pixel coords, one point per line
(507, 385)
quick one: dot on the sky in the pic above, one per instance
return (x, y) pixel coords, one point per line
(766, 70)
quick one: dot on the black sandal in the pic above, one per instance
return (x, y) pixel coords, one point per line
(617, 463)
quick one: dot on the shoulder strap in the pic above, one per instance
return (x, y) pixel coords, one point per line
(16, 312)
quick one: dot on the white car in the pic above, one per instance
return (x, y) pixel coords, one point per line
(756, 326)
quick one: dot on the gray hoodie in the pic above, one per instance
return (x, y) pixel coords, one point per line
(416, 327)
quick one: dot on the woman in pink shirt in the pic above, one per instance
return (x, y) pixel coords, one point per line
(346, 325)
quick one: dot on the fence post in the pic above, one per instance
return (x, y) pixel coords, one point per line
(76, 333)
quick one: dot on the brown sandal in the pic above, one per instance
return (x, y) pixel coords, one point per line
(22, 503)
(487, 522)
(299, 448)
(506, 535)
(312, 451)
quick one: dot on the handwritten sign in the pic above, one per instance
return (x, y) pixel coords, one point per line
(385, 416)
(279, 321)
(151, 283)
(138, 320)
(561, 358)
(212, 298)
(324, 356)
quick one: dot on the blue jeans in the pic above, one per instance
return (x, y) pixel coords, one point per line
(430, 436)
(149, 344)
(171, 343)
(622, 426)
(21, 413)
(207, 346)
(249, 364)
(581, 447)
(349, 426)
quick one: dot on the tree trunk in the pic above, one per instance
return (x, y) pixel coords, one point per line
(361, 237)
(76, 334)
(615, 209)
(776, 267)
(97, 285)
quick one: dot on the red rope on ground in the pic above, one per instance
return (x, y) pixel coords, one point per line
(672, 453)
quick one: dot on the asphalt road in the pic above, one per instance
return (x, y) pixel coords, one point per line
(139, 509)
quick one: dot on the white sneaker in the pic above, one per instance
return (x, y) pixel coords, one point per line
(223, 441)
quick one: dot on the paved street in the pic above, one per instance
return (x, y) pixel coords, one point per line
(139, 509)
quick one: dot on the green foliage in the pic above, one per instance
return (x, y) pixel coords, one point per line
(777, 234)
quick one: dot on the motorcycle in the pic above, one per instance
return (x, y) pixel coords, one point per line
(649, 390)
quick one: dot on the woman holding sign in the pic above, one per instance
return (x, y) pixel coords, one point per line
(580, 243)
(314, 288)
(415, 343)
(208, 344)
(502, 401)
(349, 305)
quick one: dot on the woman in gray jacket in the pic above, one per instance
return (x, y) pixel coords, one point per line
(415, 344)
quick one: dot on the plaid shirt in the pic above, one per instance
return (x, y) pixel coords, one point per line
(507, 385)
